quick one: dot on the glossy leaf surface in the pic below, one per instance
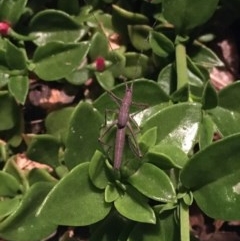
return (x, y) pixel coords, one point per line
(58, 57)
(9, 185)
(54, 25)
(24, 221)
(219, 164)
(153, 183)
(74, 201)
(134, 206)
(177, 124)
(83, 134)
(187, 14)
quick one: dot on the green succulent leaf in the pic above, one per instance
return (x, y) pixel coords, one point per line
(83, 134)
(11, 10)
(166, 229)
(98, 170)
(160, 44)
(153, 183)
(24, 221)
(8, 206)
(44, 149)
(219, 164)
(177, 125)
(61, 59)
(9, 185)
(134, 206)
(80, 202)
(226, 115)
(57, 123)
(186, 14)
(54, 25)
(18, 87)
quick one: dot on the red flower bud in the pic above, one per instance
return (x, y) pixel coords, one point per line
(4, 28)
(100, 64)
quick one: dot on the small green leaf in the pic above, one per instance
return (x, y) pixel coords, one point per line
(167, 156)
(8, 109)
(187, 14)
(9, 185)
(153, 183)
(105, 79)
(7, 206)
(209, 98)
(99, 46)
(11, 11)
(138, 35)
(74, 201)
(24, 221)
(57, 123)
(166, 229)
(111, 193)
(44, 149)
(83, 134)
(18, 86)
(134, 206)
(204, 56)
(15, 57)
(160, 44)
(54, 25)
(177, 125)
(61, 59)
(206, 131)
(98, 170)
(148, 139)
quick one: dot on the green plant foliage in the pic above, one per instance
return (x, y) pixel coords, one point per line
(219, 164)
(186, 15)
(60, 58)
(83, 134)
(71, 195)
(24, 221)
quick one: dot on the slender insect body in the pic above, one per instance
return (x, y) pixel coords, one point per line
(119, 146)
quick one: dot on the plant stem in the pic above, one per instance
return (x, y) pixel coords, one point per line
(184, 222)
(181, 64)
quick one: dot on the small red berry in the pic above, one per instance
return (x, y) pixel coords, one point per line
(100, 64)
(4, 28)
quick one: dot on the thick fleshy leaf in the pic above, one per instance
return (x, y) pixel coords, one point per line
(134, 206)
(136, 65)
(177, 125)
(98, 170)
(209, 98)
(153, 95)
(227, 115)
(11, 10)
(18, 87)
(15, 57)
(9, 186)
(105, 79)
(57, 123)
(187, 14)
(219, 164)
(153, 183)
(204, 56)
(138, 36)
(44, 149)
(111, 193)
(7, 206)
(57, 60)
(8, 109)
(167, 156)
(206, 131)
(160, 44)
(83, 134)
(74, 201)
(111, 228)
(24, 221)
(54, 25)
(166, 229)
